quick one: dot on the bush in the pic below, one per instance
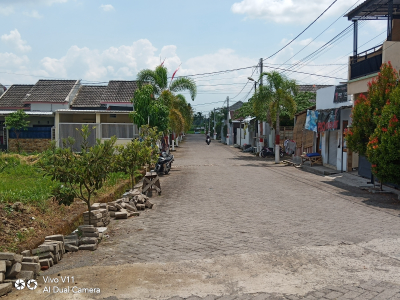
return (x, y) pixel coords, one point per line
(63, 194)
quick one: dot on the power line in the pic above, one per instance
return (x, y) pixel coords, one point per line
(302, 31)
(341, 16)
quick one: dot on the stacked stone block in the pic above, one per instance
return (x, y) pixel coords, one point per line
(89, 237)
(99, 215)
(16, 266)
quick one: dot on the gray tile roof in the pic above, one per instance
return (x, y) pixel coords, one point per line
(50, 91)
(311, 87)
(89, 96)
(119, 91)
(13, 97)
(236, 106)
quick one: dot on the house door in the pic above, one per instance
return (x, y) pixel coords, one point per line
(332, 147)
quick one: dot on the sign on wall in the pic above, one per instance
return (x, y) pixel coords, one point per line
(329, 120)
(340, 93)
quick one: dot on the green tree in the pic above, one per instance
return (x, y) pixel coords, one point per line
(158, 79)
(149, 111)
(274, 98)
(151, 136)
(303, 102)
(383, 149)
(165, 92)
(85, 172)
(17, 121)
(130, 159)
(367, 110)
(374, 131)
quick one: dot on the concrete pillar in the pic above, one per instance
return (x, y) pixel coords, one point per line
(98, 126)
(57, 128)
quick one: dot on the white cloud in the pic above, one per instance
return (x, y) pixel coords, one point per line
(107, 7)
(289, 11)
(115, 62)
(33, 14)
(10, 60)
(14, 40)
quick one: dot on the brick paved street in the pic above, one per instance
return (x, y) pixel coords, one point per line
(232, 226)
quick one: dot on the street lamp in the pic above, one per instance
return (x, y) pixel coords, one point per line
(255, 83)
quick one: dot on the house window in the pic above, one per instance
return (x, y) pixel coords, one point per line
(114, 116)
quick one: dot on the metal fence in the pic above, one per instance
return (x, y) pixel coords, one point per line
(31, 133)
(120, 130)
(73, 130)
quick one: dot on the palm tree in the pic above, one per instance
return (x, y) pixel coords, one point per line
(158, 79)
(179, 114)
(274, 98)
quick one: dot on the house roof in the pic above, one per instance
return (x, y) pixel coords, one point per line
(12, 98)
(89, 96)
(310, 87)
(119, 92)
(236, 106)
(373, 9)
(50, 91)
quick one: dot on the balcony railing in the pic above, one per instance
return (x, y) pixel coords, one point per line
(365, 63)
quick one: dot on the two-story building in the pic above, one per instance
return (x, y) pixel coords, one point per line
(364, 66)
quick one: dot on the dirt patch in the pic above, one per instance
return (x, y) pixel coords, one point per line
(25, 228)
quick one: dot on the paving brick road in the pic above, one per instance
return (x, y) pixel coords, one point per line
(229, 225)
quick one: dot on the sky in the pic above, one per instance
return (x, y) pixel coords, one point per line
(97, 41)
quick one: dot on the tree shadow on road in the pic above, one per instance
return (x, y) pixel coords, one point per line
(386, 202)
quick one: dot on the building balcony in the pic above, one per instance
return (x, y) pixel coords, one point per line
(366, 63)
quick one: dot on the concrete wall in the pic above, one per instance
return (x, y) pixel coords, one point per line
(120, 118)
(29, 145)
(391, 52)
(77, 118)
(48, 106)
(325, 98)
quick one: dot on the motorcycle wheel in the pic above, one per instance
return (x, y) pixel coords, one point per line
(262, 153)
(281, 154)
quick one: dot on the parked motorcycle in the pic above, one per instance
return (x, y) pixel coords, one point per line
(208, 141)
(269, 151)
(163, 165)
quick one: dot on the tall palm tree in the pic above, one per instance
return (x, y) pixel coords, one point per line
(274, 98)
(165, 92)
(158, 79)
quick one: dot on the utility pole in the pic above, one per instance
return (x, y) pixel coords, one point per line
(227, 124)
(260, 132)
(215, 134)
(209, 128)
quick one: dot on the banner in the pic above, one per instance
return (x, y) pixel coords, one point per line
(340, 93)
(311, 120)
(329, 120)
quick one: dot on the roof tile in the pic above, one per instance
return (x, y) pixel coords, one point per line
(50, 91)
(89, 96)
(13, 97)
(119, 91)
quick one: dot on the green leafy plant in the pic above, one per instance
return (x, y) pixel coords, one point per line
(374, 131)
(131, 158)
(63, 194)
(84, 173)
(17, 121)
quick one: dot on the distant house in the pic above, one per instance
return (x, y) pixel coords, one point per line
(60, 107)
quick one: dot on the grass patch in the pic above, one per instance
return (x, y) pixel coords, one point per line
(23, 182)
